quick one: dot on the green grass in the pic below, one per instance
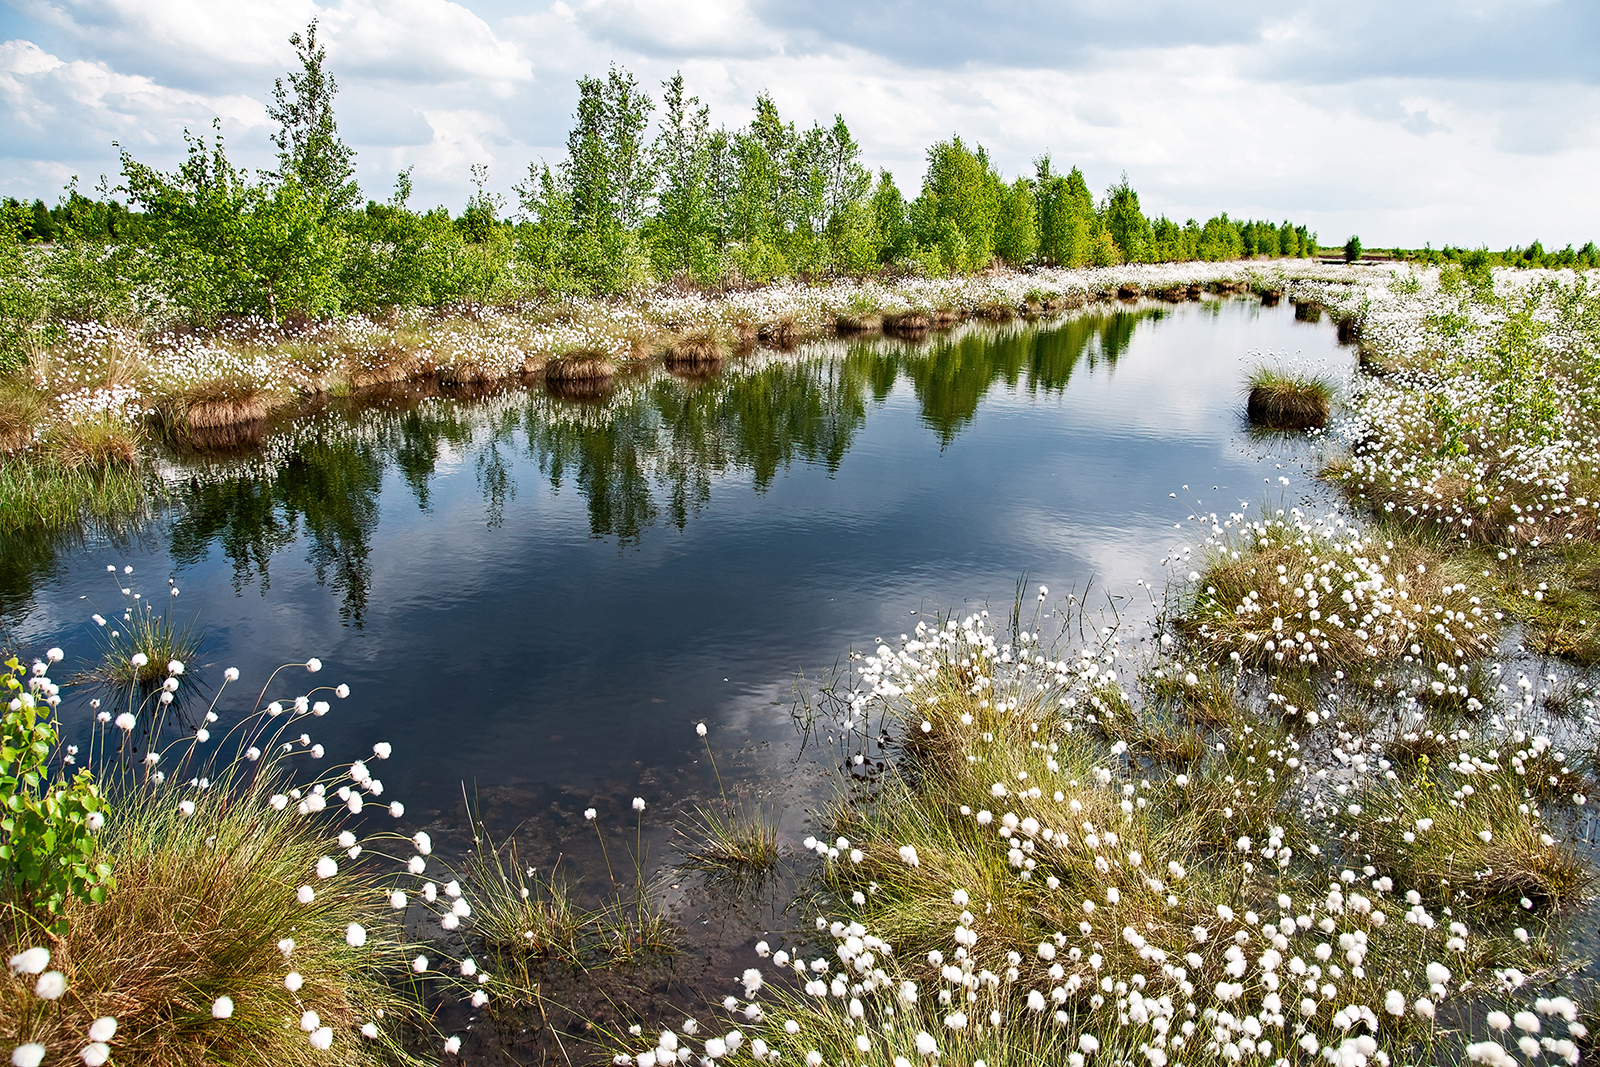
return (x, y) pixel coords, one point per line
(733, 843)
(1022, 875)
(41, 491)
(1279, 400)
(201, 903)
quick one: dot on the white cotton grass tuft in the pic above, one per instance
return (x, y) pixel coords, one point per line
(50, 986)
(30, 961)
(222, 1008)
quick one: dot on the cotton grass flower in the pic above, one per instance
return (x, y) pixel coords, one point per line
(28, 1055)
(222, 1008)
(50, 986)
(29, 961)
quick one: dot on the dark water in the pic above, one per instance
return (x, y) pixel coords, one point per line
(540, 597)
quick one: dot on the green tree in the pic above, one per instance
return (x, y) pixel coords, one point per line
(1352, 249)
(1067, 220)
(959, 205)
(228, 245)
(310, 151)
(1126, 223)
(849, 221)
(682, 232)
(891, 228)
(584, 218)
(1016, 237)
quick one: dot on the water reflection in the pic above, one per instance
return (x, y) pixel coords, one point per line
(648, 454)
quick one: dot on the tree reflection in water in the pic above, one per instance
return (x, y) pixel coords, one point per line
(647, 452)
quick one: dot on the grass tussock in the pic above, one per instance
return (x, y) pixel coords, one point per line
(697, 348)
(1470, 841)
(1283, 594)
(529, 919)
(735, 842)
(580, 366)
(93, 445)
(908, 323)
(201, 903)
(849, 322)
(22, 409)
(138, 649)
(1281, 401)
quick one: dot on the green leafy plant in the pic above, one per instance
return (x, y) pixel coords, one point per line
(47, 827)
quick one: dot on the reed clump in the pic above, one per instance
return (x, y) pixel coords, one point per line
(200, 905)
(1284, 401)
(696, 348)
(908, 323)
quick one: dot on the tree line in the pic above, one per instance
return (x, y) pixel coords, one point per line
(648, 192)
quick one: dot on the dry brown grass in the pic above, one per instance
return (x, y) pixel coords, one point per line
(21, 410)
(584, 365)
(909, 323)
(860, 322)
(701, 348)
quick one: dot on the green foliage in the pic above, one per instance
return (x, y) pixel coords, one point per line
(1126, 223)
(229, 245)
(22, 306)
(959, 206)
(585, 216)
(1016, 237)
(1067, 221)
(310, 151)
(47, 843)
(1352, 249)
(681, 234)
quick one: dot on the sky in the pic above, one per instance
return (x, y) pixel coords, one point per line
(1465, 122)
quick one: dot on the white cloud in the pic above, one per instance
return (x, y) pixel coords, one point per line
(52, 104)
(1405, 123)
(427, 41)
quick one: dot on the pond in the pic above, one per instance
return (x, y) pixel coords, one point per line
(537, 598)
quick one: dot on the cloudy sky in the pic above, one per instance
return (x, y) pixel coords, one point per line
(1465, 122)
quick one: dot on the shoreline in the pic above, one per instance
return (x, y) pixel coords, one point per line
(208, 384)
